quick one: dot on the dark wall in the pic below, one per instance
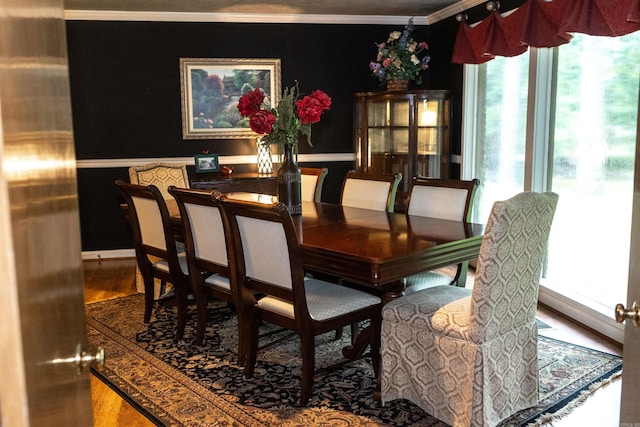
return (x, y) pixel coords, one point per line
(125, 90)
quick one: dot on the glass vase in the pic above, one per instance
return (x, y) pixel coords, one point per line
(290, 182)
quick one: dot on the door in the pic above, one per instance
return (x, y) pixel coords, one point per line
(42, 320)
(629, 408)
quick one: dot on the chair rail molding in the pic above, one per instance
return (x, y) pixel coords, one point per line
(227, 160)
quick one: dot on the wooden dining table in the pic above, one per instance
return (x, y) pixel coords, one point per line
(374, 249)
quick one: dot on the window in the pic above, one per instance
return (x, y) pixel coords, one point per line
(563, 120)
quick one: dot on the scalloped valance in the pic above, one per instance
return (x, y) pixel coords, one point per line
(541, 23)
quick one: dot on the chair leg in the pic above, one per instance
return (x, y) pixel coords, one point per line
(338, 334)
(307, 348)
(148, 296)
(202, 317)
(355, 329)
(460, 278)
(242, 339)
(252, 350)
(376, 326)
(181, 299)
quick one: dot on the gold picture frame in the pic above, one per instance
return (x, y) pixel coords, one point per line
(211, 88)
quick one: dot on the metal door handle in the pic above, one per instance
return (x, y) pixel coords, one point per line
(623, 314)
(84, 359)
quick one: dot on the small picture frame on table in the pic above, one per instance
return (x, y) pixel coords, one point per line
(206, 163)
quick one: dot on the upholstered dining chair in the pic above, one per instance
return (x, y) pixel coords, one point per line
(469, 357)
(312, 182)
(370, 191)
(268, 263)
(162, 175)
(155, 246)
(448, 199)
(205, 240)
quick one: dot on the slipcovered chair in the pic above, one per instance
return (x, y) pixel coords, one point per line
(267, 262)
(444, 199)
(370, 191)
(206, 249)
(162, 175)
(312, 182)
(469, 357)
(156, 249)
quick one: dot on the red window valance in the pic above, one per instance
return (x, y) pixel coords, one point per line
(542, 23)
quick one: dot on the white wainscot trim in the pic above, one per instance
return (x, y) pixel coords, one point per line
(223, 160)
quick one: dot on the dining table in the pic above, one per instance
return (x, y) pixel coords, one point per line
(374, 249)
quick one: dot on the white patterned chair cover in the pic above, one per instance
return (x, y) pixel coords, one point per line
(162, 175)
(469, 358)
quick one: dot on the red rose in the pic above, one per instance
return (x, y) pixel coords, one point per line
(250, 102)
(324, 99)
(262, 122)
(310, 107)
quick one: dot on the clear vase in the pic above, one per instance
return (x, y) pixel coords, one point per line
(290, 182)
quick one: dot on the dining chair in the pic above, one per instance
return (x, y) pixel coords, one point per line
(268, 262)
(312, 182)
(370, 191)
(205, 240)
(448, 199)
(469, 356)
(161, 174)
(156, 247)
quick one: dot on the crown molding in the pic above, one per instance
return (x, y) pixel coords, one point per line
(452, 10)
(247, 18)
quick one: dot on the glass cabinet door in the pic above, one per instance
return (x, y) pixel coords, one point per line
(388, 136)
(406, 132)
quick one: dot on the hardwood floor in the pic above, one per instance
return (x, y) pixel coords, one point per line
(114, 278)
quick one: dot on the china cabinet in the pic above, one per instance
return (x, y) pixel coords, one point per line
(403, 131)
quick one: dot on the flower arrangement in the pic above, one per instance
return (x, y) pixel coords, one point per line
(398, 57)
(292, 116)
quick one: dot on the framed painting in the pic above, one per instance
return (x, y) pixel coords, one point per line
(211, 88)
(206, 163)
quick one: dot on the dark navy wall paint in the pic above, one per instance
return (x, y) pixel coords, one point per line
(125, 91)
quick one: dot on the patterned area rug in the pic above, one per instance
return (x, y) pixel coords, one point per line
(180, 383)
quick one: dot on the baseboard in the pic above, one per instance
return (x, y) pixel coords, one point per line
(106, 254)
(600, 322)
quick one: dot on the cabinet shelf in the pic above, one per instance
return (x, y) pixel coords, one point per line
(406, 132)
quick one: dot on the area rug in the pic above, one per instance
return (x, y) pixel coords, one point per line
(179, 383)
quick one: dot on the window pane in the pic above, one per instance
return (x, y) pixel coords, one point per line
(501, 132)
(593, 161)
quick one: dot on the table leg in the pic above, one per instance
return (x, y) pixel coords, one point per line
(393, 290)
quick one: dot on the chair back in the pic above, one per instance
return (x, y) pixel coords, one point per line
(505, 292)
(204, 231)
(312, 182)
(162, 175)
(370, 191)
(150, 223)
(265, 252)
(442, 198)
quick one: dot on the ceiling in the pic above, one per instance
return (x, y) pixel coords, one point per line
(375, 9)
